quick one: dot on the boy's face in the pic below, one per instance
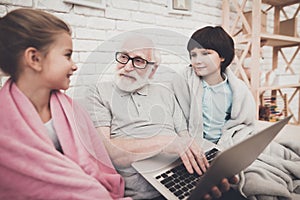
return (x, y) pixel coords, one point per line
(206, 63)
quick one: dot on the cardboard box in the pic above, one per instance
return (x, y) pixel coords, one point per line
(248, 16)
(288, 27)
(286, 79)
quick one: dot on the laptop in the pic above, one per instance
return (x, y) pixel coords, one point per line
(168, 175)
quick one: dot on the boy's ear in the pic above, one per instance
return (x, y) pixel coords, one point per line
(33, 58)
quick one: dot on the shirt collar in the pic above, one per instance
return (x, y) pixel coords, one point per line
(143, 91)
(206, 85)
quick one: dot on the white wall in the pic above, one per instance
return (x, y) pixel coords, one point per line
(95, 31)
(93, 28)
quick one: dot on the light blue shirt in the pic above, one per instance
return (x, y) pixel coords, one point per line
(216, 102)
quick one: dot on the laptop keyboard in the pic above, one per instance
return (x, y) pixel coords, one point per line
(179, 181)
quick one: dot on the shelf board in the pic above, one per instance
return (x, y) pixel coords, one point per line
(278, 87)
(273, 40)
(276, 40)
(280, 2)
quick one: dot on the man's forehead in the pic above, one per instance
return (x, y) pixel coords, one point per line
(137, 43)
(138, 52)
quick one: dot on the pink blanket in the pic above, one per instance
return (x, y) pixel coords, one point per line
(31, 167)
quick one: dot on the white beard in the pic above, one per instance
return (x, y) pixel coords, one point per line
(130, 85)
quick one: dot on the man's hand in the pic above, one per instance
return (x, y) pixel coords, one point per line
(190, 153)
(216, 192)
(194, 159)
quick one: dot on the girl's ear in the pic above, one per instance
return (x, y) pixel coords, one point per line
(33, 58)
(222, 59)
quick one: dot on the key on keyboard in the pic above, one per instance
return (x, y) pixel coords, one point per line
(179, 181)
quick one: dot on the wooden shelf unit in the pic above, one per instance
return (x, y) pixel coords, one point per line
(236, 24)
(274, 40)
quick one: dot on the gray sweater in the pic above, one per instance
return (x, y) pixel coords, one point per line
(188, 90)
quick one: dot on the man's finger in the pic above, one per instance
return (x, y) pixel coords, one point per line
(186, 163)
(203, 162)
(200, 157)
(193, 162)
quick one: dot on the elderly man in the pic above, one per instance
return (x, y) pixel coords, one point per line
(138, 119)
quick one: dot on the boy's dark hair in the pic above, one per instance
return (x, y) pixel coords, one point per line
(214, 38)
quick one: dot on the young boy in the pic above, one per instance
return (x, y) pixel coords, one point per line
(216, 104)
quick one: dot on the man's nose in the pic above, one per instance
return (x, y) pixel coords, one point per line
(129, 66)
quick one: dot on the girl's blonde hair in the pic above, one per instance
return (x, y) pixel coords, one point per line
(23, 28)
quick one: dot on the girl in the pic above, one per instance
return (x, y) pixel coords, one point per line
(49, 147)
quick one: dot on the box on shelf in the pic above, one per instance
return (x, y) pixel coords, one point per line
(286, 79)
(288, 27)
(248, 16)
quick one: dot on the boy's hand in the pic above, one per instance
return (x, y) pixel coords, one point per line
(216, 192)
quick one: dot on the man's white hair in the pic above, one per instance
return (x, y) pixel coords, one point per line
(138, 41)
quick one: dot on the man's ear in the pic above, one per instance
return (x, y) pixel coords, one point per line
(153, 70)
(33, 58)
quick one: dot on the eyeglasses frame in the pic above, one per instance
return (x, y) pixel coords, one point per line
(132, 60)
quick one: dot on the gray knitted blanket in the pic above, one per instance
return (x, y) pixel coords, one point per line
(275, 175)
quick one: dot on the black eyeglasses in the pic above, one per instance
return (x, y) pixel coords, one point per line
(137, 62)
